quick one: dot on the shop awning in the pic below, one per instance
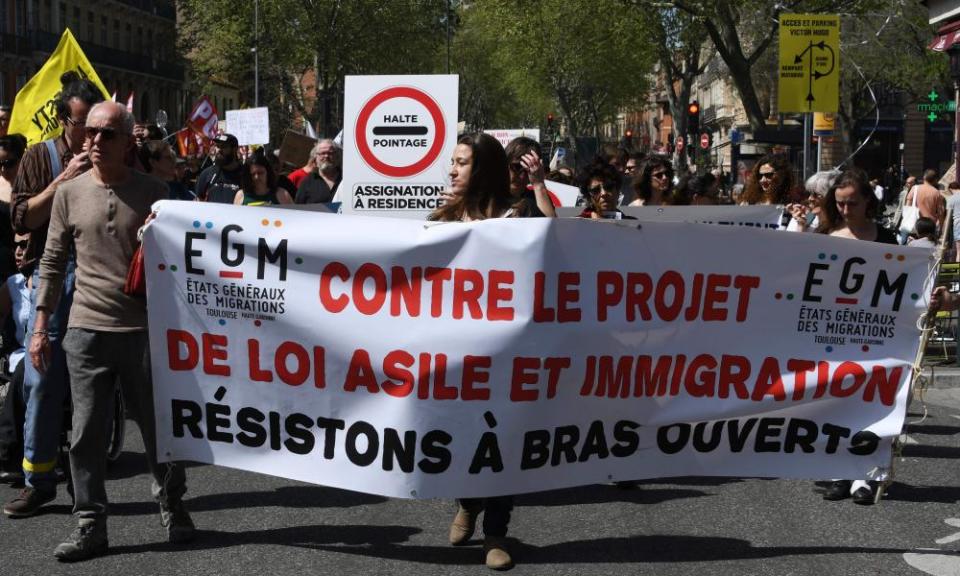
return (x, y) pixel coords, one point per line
(947, 36)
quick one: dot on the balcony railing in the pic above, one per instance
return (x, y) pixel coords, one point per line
(13, 44)
(47, 42)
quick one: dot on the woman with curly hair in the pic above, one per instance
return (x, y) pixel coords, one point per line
(771, 181)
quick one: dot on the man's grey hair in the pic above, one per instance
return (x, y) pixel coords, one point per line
(127, 120)
(316, 147)
(820, 182)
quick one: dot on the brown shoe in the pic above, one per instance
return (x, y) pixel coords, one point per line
(28, 502)
(495, 550)
(464, 523)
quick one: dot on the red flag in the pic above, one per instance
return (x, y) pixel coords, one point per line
(203, 119)
(130, 102)
(186, 144)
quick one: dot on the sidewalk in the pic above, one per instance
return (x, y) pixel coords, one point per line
(944, 376)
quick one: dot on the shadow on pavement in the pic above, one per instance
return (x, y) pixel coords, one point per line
(316, 537)
(900, 492)
(927, 451)
(932, 429)
(650, 549)
(605, 493)
(283, 497)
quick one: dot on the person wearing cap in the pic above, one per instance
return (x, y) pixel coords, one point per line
(805, 217)
(220, 182)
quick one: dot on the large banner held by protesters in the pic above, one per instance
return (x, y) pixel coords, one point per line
(34, 110)
(505, 356)
(754, 216)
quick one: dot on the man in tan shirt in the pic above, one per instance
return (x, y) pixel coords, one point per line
(930, 202)
(97, 216)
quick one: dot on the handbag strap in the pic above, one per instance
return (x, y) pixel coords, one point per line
(55, 165)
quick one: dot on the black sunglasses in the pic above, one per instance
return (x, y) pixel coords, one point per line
(609, 187)
(106, 134)
(20, 244)
(9, 163)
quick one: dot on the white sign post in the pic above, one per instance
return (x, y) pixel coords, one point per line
(399, 135)
(251, 126)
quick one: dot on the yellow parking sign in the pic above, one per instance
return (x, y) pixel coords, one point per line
(809, 63)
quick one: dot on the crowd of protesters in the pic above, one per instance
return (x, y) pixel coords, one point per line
(71, 210)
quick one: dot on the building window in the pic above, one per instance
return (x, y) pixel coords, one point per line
(90, 27)
(116, 34)
(129, 40)
(47, 16)
(62, 18)
(103, 30)
(139, 40)
(76, 21)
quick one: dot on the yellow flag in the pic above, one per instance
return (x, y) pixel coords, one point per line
(34, 110)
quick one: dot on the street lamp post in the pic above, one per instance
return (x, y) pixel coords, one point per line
(256, 53)
(954, 53)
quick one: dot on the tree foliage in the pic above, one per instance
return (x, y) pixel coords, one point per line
(742, 31)
(589, 59)
(886, 52)
(332, 38)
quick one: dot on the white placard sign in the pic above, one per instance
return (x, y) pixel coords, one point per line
(399, 136)
(505, 136)
(515, 355)
(250, 126)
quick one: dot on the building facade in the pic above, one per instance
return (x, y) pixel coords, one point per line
(130, 43)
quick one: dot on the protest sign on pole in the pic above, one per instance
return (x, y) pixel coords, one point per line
(34, 109)
(399, 135)
(250, 126)
(295, 149)
(510, 355)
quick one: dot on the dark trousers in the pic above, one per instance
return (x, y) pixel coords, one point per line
(496, 513)
(11, 421)
(96, 361)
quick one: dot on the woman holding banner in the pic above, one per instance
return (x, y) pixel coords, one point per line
(480, 189)
(258, 184)
(849, 211)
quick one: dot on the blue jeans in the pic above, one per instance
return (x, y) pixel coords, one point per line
(45, 394)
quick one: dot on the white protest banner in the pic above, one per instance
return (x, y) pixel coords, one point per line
(250, 126)
(505, 356)
(399, 136)
(505, 136)
(754, 216)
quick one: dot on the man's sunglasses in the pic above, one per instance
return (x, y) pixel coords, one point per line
(106, 134)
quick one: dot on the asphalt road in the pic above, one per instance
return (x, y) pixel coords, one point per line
(256, 524)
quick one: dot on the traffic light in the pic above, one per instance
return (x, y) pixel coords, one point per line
(550, 120)
(693, 118)
(628, 138)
